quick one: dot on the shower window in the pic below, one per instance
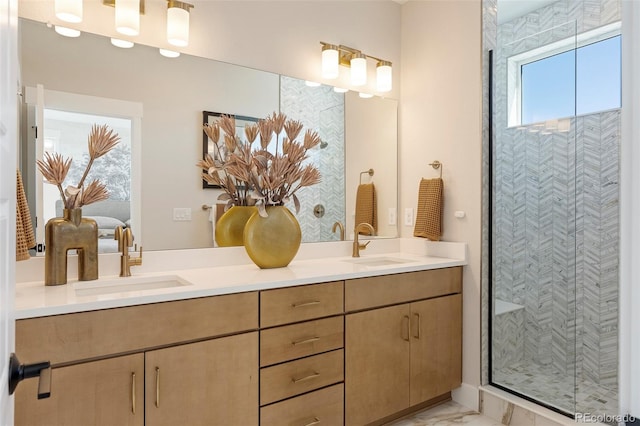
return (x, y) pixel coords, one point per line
(566, 78)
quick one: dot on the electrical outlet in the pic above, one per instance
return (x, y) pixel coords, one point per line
(408, 216)
(392, 216)
(182, 214)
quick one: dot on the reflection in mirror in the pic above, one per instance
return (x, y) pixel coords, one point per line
(174, 92)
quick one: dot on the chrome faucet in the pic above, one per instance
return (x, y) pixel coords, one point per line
(356, 244)
(125, 240)
(341, 226)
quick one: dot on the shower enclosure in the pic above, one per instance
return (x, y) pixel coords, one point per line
(554, 210)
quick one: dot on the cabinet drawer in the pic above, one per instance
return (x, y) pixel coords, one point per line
(300, 376)
(322, 407)
(85, 335)
(299, 340)
(371, 292)
(294, 304)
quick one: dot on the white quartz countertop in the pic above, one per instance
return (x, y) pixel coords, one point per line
(34, 299)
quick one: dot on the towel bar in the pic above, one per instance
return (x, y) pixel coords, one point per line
(437, 165)
(369, 172)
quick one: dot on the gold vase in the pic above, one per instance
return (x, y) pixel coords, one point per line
(70, 232)
(230, 226)
(272, 241)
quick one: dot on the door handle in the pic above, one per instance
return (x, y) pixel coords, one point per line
(406, 325)
(418, 321)
(19, 372)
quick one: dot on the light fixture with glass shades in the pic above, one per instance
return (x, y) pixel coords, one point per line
(335, 55)
(69, 10)
(169, 53)
(128, 17)
(178, 22)
(125, 44)
(67, 32)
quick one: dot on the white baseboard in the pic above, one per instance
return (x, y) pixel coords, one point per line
(468, 396)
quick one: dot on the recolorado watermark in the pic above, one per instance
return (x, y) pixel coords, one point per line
(604, 418)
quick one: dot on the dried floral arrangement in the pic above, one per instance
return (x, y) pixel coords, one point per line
(55, 167)
(236, 191)
(270, 177)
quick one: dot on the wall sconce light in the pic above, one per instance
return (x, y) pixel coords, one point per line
(125, 44)
(127, 15)
(333, 56)
(69, 10)
(67, 32)
(169, 53)
(178, 22)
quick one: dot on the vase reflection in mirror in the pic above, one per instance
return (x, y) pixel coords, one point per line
(70, 232)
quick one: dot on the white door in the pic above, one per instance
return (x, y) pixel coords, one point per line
(8, 161)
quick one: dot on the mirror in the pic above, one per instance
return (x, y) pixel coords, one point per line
(174, 93)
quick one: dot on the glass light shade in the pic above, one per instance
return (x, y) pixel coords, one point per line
(309, 83)
(358, 69)
(177, 26)
(340, 90)
(67, 32)
(125, 44)
(383, 76)
(169, 53)
(330, 61)
(365, 95)
(128, 17)
(69, 10)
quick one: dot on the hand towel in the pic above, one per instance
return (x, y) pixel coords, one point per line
(25, 238)
(366, 207)
(429, 216)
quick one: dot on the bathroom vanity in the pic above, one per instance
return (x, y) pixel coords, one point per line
(366, 342)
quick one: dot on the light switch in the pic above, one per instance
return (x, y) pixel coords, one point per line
(408, 216)
(181, 214)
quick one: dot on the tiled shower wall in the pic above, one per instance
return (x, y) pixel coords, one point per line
(320, 109)
(555, 242)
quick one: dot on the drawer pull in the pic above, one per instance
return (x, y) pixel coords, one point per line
(133, 393)
(158, 387)
(406, 325)
(417, 334)
(305, 303)
(307, 340)
(304, 378)
(315, 421)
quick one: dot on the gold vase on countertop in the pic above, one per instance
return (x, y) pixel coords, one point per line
(230, 227)
(272, 241)
(70, 232)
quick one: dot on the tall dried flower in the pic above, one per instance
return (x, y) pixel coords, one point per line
(216, 166)
(55, 167)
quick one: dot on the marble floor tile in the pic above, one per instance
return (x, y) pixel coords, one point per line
(449, 413)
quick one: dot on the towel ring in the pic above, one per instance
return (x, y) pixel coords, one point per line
(369, 172)
(437, 165)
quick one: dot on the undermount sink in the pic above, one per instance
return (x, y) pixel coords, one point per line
(96, 288)
(377, 261)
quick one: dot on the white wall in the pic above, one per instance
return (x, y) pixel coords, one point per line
(440, 119)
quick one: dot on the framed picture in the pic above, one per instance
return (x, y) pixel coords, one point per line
(209, 117)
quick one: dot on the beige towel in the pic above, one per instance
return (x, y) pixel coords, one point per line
(25, 239)
(429, 216)
(367, 207)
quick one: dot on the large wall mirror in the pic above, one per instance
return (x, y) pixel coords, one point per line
(358, 134)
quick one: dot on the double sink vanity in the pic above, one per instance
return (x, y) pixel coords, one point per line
(328, 340)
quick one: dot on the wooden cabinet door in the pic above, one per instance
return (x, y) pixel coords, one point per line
(436, 347)
(107, 392)
(213, 382)
(376, 363)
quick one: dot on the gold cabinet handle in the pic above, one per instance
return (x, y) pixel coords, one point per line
(158, 387)
(304, 378)
(307, 340)
(406, 325)
(315, 421)
(133, 393)
(417, 317)
(305, 303)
